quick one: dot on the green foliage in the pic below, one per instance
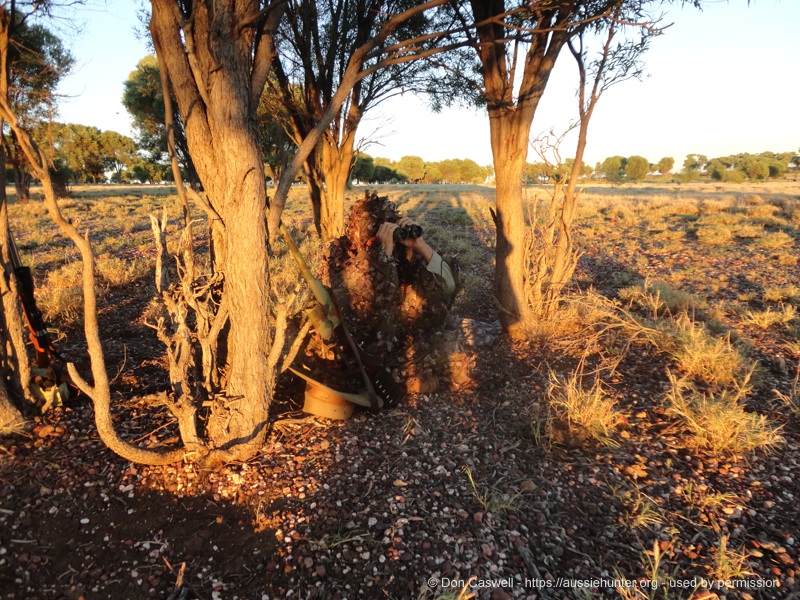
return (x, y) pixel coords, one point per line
(432, 173)
(613, 169)
(148, 171)
(412, 168)
(665, 165)
(688, 175)
(736, 168)
(89, 152)
(37, 61)
(756, 169)
(460, 171)
(538, 172)
(694, 162)
(142, 98)
(637, 168)
(144, 101)
(35, 64)
(363, 168)
(119, 151)
(717, 170)
(382, 174)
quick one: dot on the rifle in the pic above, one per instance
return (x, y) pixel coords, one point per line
(46, 371)
(326, 318)
(38, 334)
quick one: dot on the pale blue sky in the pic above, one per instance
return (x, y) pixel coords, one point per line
(721, 81)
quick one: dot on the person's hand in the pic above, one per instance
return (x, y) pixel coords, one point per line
(418, 245)
(386, 237)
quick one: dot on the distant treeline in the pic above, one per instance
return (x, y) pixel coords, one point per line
(413, 169)
(736, 168)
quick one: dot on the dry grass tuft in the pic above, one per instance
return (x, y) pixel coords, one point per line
(779, 239)
(118, 272)
(588, 412)
(789, 293)
(61, 296)
(658, 297)
(713, 235)
(717, 422)
(748, 231)
(703, 357)
(764, 319)
(729, 564)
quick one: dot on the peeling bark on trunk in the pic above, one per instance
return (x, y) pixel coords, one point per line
(212, 88)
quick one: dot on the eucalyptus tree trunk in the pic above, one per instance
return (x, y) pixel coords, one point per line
(207, 55)
(22, 183)
(510, 118)
(509, 150)
(14, 363)
(336, 162)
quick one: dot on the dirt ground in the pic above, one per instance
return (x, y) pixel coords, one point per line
(413, 502)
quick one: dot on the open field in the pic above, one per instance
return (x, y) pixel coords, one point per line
(652, 432)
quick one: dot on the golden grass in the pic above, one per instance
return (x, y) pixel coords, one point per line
(704, 357)
(764, 319)
(587, 411)
(778, 239)
(60, 298)
(729, 563)
(713, 235)
(658, 297)
(789, 293)
(717, 422)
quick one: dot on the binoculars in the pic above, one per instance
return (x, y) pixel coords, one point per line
(404, 233)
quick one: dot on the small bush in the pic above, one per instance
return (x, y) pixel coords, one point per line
(763, 210)
(722, 219)
(118, 272)
(748, 231)
(771, 221)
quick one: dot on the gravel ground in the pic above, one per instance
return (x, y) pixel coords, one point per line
(402, 505)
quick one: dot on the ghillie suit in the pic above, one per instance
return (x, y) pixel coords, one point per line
(395, 306)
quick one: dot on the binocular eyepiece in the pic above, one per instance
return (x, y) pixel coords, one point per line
(407, 232)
